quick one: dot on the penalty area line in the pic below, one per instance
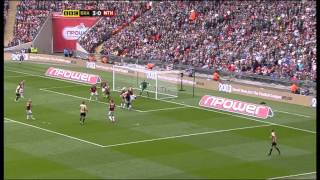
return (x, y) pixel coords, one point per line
(164, 109)
(293, 114)
(280, 177)
(79, 97)
(134, 142)
(83, 98)
(54, 132)
(186, 135)
(244, 117)
(182, 104)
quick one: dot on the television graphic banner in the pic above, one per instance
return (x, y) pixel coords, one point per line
(67, 30)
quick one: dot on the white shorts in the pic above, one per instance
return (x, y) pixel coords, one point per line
(29, 112)
(111, 113)
(94, 93)
(103, 90)
(132, 97)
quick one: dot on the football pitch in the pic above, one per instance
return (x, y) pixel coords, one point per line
(173, 138)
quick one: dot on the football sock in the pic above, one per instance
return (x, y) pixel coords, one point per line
(278, 150)
(270, 152)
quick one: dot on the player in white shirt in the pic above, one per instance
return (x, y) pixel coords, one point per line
(274, 142)
(22, 88)
(18, 93)
(83, 112)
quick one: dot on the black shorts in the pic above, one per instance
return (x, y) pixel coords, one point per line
(18, 94)
(273, 144)
(83, 114)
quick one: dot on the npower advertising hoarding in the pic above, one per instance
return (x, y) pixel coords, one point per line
(235, 106)
(66, 31)
(73, 75)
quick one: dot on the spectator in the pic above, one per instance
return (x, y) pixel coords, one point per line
(270, 39)
(65, 52)
(70, 53)
(276, 39)
(294, 89)
(216, 76)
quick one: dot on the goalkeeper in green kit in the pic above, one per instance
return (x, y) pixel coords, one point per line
(143, 86)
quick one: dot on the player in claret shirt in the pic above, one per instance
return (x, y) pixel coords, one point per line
(29, 110)
(274, 142)
(112, 107)
(107, 91)
(122, 96)
(93, 92)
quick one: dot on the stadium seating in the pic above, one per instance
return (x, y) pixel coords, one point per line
(31, 14)
(276, 39)
(126, 13)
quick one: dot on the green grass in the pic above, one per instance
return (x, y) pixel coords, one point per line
(55, 145)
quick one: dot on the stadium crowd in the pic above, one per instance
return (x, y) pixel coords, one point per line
(31, 14)
(276, 39)
(126, 12)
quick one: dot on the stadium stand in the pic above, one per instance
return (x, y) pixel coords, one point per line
(126, 12)
(275, 39)
(31, 14)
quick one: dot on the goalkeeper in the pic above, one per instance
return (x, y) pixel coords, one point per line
(143, 86)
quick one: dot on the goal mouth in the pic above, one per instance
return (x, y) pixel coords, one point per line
(158, 84)
(151, 94)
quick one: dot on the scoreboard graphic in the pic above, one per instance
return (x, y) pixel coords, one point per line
(88, 13)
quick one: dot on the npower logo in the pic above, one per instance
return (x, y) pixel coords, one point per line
(73, 33)
(73, 75)
(234, 106)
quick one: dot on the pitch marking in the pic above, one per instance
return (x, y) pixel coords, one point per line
(165, 109)
(265, 122)
(136, 142)
(290, 127)
(54, 132)
(293, 114)
(186, 135)
(292, 175)
(81, 98)
(141, 111)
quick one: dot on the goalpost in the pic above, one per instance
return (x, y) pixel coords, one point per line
(161, 84)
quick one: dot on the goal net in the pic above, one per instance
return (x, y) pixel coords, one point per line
(160, 84)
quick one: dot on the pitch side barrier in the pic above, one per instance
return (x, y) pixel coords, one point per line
(273, 94)
(245, 76)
